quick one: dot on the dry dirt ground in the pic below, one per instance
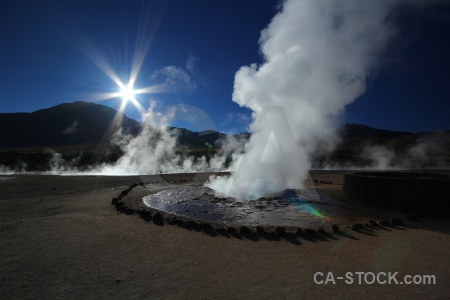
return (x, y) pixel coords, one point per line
(60, 237)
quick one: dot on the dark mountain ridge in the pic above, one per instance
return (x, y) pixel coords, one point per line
(84, 127)
(358, 131)
(78, 123)
(81, 123)
(86, 123)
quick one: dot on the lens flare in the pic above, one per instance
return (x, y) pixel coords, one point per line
(316, 213)
(151, 13)
(296, 201)
(127, 92)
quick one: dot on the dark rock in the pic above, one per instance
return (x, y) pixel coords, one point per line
(223, 232)
(197, 226)
(133, 186)
(121, 209)
(335, 228)
(397, 221)
(385, 223)
(310, 231)
(129, 211)
(299, 232)
(373, 223)
(357, 226)
(321, 230)
(114, 201)
(234, 233)
(117, 280)
(244, 230)
(206, 226)
(189, 225)
(180, 223)
(158, 219)
(141, 183)
(260, 230)
(145, 215)
(280, 231)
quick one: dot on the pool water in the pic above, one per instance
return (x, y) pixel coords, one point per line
(297, 208)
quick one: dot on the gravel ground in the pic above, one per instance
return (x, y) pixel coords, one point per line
(60, 237)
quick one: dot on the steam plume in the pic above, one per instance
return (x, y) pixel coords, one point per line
(154, 150)
(317, 55)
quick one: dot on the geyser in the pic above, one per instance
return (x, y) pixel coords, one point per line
(317, 56)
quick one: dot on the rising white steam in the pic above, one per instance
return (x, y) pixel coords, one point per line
(430, 151)
(20, 167)
(381, 157)
(59, 165)
(154, 150)
(317, 55)
(150, 152)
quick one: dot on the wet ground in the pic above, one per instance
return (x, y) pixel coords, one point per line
(298, 208)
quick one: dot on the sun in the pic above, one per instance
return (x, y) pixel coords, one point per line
(127, 92)
(128, 95)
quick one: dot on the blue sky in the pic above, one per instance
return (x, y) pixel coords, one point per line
(49, 55)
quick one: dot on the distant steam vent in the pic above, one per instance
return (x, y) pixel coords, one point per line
(407, 191)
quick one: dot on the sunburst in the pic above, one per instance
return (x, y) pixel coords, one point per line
(128, 94)
(126, 91)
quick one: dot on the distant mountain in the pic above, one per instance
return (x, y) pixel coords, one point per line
(203, 138)
(358, 131)
(78, 123)
(86, 123)
(82, 123)
(86, 129)
(200, 139)
(360, 143)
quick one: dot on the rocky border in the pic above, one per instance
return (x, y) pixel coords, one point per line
(272, 233)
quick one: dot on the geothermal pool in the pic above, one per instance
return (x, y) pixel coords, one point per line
(299, 208)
